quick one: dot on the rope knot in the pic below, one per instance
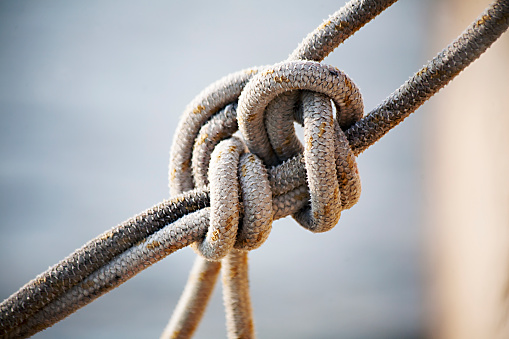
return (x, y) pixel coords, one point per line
(236, 176)
(266, 173)
(267, 126)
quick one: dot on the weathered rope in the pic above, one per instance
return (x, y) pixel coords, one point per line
(276, 141)
(331, 169)
(316, 46)
(432, 77)
(193, 216)
(330, 165)
(202, 280)
(279, 124)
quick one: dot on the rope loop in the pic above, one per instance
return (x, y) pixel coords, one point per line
(245, 147)
(332, 174)
(236, 176)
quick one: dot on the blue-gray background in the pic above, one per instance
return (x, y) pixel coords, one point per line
(90, 96)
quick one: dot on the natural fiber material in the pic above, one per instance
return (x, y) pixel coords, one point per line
(263, 174)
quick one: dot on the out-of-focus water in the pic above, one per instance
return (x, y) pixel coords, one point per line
(90, 96)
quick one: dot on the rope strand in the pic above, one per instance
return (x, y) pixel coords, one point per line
(316, 46)
(117, 255)
(432, 77)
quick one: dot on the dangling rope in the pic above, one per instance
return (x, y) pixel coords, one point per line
(261, 176)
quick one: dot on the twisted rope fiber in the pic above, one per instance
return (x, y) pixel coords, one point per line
(433, 76)
(400, 104)
(280, 129)
(316, 46)
(117, 255)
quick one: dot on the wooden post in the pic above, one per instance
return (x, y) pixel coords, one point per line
(467, 183)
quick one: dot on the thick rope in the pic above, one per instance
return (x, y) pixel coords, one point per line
(199, 287)
(278, 119)
(236, 298)
(119, 254)
(316, 46)
(432, 77)
(324, 178)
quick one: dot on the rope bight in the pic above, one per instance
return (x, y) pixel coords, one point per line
(225, 209)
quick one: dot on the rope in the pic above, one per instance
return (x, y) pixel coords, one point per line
(202, 280)
(316, 46)
(253, 180)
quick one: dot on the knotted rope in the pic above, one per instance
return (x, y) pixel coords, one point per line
(269, 100)
(235, 166)
(265, 168)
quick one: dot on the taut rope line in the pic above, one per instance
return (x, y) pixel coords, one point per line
(264, 175)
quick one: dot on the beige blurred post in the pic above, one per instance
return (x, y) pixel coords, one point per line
(467, 183)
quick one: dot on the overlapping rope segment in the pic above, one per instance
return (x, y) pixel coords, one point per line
(270, 174)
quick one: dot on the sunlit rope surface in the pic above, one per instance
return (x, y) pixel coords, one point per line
(199, 216)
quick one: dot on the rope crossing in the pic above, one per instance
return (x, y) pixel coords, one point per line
(245, 197)
(236, 165)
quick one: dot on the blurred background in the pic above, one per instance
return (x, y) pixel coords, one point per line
(90, 96)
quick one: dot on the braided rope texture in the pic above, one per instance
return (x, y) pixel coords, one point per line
(256, 175)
